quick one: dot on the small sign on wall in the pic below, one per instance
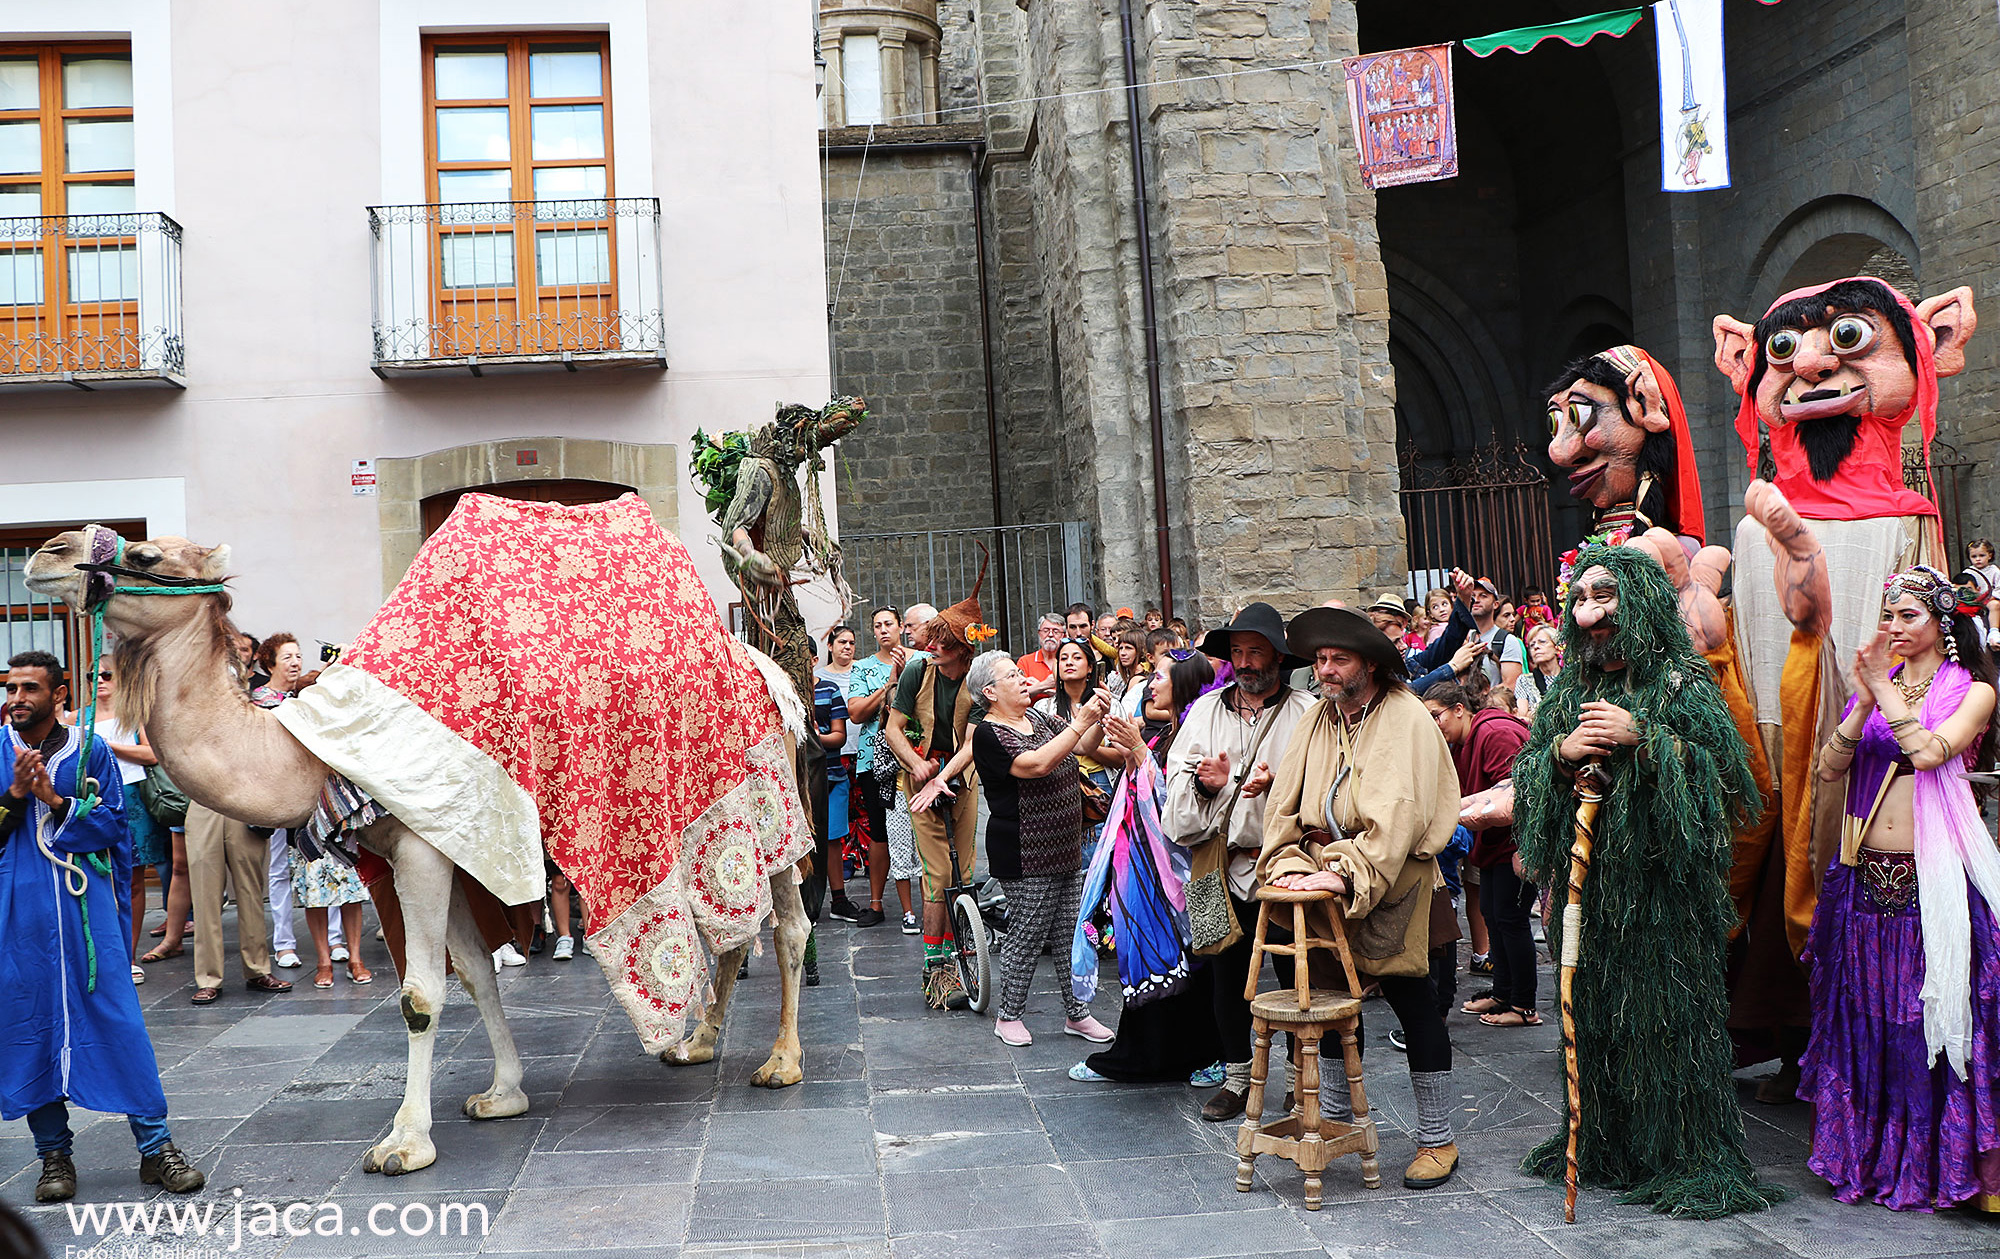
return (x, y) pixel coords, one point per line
(362, 478)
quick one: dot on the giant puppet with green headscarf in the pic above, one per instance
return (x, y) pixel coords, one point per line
(1636, 724)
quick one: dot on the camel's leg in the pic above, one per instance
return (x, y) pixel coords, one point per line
(701, 1043)
(423, 885)
(783, 1066)
(475, 970)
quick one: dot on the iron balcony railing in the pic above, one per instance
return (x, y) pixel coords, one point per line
(90, 298)
(479, 284)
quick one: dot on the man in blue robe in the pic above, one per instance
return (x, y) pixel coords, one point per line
(72, 1031)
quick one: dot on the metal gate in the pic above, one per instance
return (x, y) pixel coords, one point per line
(1034, 569)
(1487, 513)
(1950, 472)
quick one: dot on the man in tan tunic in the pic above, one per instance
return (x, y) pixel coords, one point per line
(1371, 749)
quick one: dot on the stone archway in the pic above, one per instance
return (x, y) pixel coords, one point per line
(1826, 239)
(403, 484)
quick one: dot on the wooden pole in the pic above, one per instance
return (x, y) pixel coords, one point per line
(1590, 783)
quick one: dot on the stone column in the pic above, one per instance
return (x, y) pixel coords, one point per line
(895, 99)
(836, 93)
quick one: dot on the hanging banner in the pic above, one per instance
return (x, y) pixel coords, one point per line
(1694, 132)
(1401, 106)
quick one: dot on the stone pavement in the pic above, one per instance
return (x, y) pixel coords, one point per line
(916, 1134)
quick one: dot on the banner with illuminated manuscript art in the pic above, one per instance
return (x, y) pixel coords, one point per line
(1401, 106)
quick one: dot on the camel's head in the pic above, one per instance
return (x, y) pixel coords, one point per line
(67, 567)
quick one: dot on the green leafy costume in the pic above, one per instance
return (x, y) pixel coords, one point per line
(1660, 1117)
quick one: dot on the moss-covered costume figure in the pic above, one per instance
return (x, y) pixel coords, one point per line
(1659, 1115)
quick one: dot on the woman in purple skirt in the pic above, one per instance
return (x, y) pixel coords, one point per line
(1904, 1065)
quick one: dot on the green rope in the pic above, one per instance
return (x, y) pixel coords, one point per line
(102, 864)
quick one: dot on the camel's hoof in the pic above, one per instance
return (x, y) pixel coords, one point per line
(491, 1105)
(395, 1160)
(777, 1073)
(689, 1054)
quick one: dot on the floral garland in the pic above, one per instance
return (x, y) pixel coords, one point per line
(1566, 566)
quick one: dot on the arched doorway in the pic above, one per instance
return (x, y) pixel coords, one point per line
(568, 492)
(418, 491)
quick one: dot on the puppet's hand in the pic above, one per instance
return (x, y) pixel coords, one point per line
(1804, 590)
(1696, 584)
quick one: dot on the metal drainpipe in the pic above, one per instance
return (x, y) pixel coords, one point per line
(992, 410)
(1155, 408)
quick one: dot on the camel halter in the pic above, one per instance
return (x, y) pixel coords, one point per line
(97, 590)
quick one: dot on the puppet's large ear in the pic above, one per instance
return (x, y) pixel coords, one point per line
(1643, 392)
(1735, 350)
(1952, 320)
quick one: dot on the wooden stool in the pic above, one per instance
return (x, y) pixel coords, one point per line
(1301, 1136)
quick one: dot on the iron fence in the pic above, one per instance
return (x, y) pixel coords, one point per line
(1950, 471)
(1033, 569)
(463, 284)
(90, 296)
(1487, 513)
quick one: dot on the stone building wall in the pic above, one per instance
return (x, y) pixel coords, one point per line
(1955, 115)
(902, 273)
(1274, 310)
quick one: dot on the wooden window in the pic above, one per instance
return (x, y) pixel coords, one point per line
(517, 132)
(69, 256)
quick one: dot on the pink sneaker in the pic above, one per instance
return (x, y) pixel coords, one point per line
(1012, 1032)
(1090, 1029)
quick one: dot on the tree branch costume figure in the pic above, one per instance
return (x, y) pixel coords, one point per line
(770, 530)
(1905, 944)
(1659, 1120)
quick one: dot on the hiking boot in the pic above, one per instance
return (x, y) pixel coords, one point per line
(58, 1182)
(168, 1168)
(1432, 1167)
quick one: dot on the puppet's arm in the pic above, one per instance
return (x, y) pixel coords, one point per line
(1803, 587)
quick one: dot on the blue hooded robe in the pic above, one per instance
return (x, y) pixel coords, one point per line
(71, 1029)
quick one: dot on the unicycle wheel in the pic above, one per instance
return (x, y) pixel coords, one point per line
(973, 952)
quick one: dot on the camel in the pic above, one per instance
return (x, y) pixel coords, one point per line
(176, 656)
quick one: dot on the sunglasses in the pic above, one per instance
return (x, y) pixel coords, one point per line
(107, 677)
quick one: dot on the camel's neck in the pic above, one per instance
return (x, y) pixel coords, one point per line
(219, 748)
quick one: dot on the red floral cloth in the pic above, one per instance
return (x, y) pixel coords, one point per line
(578, 649)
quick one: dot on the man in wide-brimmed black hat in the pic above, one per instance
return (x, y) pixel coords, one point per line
(1370, 748)
(1217, 776)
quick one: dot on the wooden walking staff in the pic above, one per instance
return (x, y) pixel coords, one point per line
(1590, 783)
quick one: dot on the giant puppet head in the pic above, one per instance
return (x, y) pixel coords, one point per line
(1617, 425)
(799, 433)
(1835, 372)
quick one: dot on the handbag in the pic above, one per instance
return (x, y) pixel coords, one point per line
(167, 803)
(1212, 923)
(1096, 800)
